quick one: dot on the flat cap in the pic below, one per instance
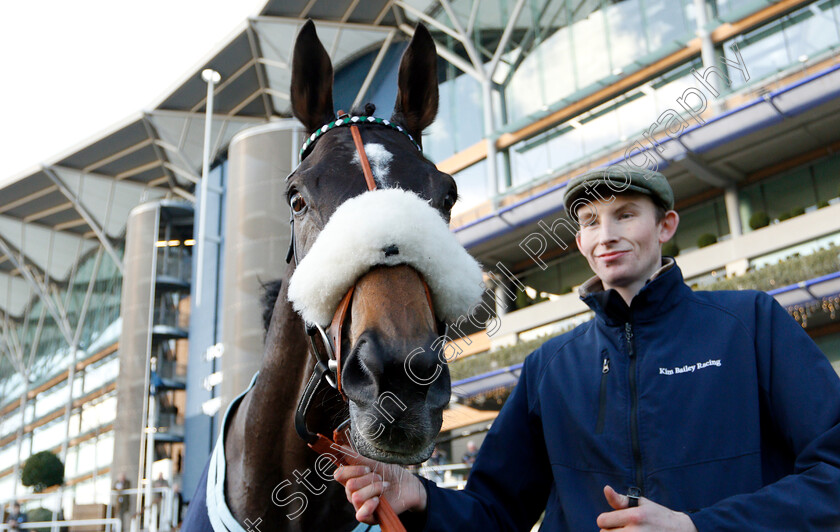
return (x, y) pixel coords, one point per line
(619, 179)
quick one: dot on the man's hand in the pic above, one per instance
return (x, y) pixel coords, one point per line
(365, 482)
(647, 516)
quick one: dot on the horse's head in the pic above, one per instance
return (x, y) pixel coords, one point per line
(390, 247)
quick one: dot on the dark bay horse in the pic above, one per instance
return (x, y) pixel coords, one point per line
(391, 339)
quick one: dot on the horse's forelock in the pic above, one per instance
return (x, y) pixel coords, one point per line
(271, 291)
(366, 110)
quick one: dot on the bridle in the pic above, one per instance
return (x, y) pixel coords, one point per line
(328, 361)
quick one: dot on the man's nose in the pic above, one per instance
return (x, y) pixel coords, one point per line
(607, 232)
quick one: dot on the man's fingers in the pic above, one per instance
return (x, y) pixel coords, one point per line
(357, 484)
(345, 473)
(619, 518)
(365, 513)
(362, 495)
(616, 500)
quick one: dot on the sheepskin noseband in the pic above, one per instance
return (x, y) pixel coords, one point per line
(384, 227)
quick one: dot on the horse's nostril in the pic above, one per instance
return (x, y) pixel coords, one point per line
(391, 250)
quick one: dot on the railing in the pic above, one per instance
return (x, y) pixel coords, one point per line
(113, 524)
(174, 264)
(786, 272)
(162, 518)
(446, 476)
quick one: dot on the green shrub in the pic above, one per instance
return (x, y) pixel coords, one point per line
(39, 515)
(758, 220)
(706, 239)
(42, 470)
(798, 211)
(822, 204)
(785, 216)
(670, 249)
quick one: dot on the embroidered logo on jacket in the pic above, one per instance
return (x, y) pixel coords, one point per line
(689, 368)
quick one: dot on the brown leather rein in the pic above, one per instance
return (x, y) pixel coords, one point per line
(328, 366)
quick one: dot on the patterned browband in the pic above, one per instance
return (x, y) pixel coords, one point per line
(347, 120)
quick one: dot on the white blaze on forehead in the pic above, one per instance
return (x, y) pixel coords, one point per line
(380, 160)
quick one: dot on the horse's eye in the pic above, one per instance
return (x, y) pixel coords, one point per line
(450, 199)
(297, 203)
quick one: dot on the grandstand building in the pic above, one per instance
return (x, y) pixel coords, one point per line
(131, 270)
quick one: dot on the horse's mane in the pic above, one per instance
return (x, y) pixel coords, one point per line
(271, 291)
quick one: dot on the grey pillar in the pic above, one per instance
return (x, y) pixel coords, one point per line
(733, 211)
(135, 338)
(256, 237)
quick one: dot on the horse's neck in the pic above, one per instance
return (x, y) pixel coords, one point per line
(262, 447)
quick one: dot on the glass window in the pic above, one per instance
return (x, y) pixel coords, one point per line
(101, 373)
(592, 57)
(565, 147)
(764, 52)
(460, 119)
(529, 159)
(524, 92)
(810, 31)
(790, 191)
(561, 276)
(732, 10)
(10, 423)
(8, 454)
(48, 436)
(472, 187)
(626, 30)
(667, 22)
(709, 217)
(600, 132)
(100, 413)
(71, 468)
(827, 178)
(830, 346)
(636, 114)
(52, 399)
(556, 67)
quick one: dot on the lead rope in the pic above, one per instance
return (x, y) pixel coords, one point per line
(385, 514)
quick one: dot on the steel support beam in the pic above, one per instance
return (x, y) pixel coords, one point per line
(100, 233)
(253, 43)
(465, 39)
(150, 131)
(503, 41)
(702, 171)
(166, 113)
(60, 319)
(15, 252)
(447, 54)
(374, 68)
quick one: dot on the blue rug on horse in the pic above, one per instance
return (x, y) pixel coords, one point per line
(216, 516)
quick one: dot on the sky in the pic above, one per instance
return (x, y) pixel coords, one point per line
(72, 69)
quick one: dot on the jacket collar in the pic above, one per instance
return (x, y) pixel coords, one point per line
(661, 292)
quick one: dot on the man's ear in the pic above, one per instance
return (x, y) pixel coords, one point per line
(668, 226)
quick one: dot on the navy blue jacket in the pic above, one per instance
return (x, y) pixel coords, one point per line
(713, 403)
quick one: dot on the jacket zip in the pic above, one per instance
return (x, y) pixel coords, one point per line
(634, 408)
(602, 397)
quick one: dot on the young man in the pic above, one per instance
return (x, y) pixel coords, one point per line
(670, 410)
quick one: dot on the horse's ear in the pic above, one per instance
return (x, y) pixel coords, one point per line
(417, 96)
(312, 80)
